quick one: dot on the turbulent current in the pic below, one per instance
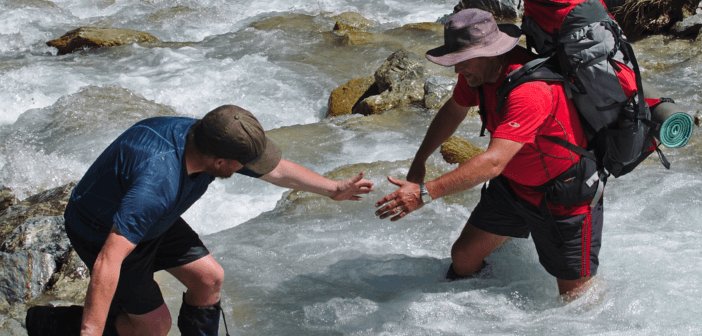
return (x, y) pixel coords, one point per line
(301, 264)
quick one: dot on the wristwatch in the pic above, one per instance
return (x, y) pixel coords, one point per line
(424, 193)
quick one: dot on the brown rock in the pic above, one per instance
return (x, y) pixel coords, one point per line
(343, 98)
(86, 37)
(459, 150)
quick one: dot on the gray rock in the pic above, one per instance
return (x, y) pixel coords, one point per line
(25, 274)
(689, 26)
(400, 66)
(437, 90)
(41, 234)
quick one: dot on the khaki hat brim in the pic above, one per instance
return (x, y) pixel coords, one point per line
(267, 161)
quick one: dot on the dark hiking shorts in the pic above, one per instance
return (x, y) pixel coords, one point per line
(501, 212)
(137, 292)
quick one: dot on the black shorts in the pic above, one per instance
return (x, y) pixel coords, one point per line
(137, 292)
(501, 212)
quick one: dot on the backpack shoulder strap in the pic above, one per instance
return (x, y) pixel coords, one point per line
(482, 111)
(536, 70)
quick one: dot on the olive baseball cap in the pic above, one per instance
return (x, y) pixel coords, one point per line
(473, 33)
(230, 132)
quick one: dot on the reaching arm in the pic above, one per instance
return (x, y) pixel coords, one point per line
(441, 128)
(103, 282)
(478, 169)
(294, 176)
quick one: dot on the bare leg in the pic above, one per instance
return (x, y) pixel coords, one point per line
(472, 247)
(203, 278)
(573, 289)
(156, 323)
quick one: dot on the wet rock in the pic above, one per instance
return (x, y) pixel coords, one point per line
(459, 150)
(438, 90)
(507, 10)
(343, 98)
(87, 37)
(688, 27)
(41, 234)
(25, 274)
(48, 203)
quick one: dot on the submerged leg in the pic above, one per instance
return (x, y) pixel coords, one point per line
(470, 250)
(573, 289)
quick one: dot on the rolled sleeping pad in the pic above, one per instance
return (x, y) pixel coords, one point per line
(676, 126)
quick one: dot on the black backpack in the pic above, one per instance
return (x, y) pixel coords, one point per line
(583, 54)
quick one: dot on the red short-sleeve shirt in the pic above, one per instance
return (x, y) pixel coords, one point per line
(531, 110)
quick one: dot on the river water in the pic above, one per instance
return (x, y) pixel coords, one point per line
(301, 264)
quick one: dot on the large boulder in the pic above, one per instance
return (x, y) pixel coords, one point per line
(87, 37)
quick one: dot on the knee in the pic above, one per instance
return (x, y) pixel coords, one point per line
(213, 279)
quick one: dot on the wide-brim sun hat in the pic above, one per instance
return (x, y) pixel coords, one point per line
(473, 33)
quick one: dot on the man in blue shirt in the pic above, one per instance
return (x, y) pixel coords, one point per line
(123, 217)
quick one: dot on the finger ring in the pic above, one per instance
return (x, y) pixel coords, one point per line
(398, 210)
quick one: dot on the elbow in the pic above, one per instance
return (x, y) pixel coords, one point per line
(494, 168)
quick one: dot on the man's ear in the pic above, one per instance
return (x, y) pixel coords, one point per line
(218, 162)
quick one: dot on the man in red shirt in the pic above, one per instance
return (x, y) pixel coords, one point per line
(518, 158)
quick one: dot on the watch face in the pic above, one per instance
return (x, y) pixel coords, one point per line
(426, 198)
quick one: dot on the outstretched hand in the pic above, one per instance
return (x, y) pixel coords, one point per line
(401, 202)
(350, 188)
